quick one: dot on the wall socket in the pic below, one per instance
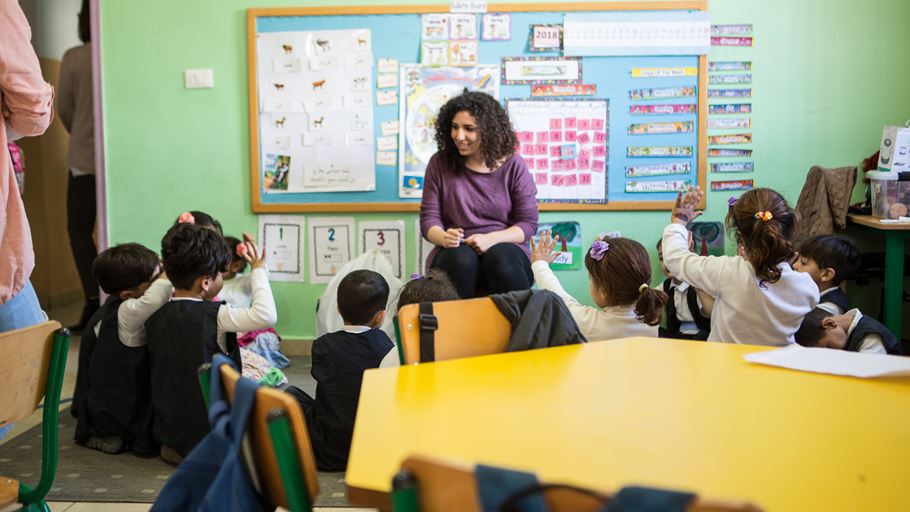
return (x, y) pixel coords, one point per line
(198, 79)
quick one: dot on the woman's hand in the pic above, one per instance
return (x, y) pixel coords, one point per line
(684, 209)
(453, 238)
(543, 249)
(481, 242)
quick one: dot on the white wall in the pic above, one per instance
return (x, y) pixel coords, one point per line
(55, 25)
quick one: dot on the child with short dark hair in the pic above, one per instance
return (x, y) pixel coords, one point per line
(112, 399)
(435, 286)
(685, 314)
(759, 298)
(830, 260)
(620, 274)
(339, 360)
(852, 331)
(200, 218)
(191, 328)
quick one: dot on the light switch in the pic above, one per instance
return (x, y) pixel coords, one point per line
(198, 79)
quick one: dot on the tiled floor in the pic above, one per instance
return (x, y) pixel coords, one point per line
(70, 315)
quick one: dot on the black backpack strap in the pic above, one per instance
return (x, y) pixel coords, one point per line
(701, 321)
(428, 326)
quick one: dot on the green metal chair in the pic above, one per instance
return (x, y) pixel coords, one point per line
(31, 369)
(281, 450)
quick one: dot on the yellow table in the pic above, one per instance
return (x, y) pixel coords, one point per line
(677, 414)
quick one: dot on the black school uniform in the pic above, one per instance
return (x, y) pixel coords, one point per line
(113, 395)
(339, 360)
(837, 297)
(674, 324)
(866, 326)
(183, 335)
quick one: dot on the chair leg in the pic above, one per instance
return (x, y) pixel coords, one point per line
(288, 462)
(204, 373)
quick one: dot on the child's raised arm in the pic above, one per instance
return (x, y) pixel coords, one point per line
(133, 313)
(262, 312)
(541, 256)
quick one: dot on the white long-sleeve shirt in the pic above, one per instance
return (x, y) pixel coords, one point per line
(132, 313)
(744, 312)
(259, 315)
(596, 324)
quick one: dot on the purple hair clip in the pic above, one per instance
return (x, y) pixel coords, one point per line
(598, 249)
(731, 201)
(416, 275)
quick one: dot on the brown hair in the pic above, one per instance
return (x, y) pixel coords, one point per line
(622, 271)
(497, 140)
(766, 243)
(433, 287)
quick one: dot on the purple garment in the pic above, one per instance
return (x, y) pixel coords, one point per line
(479, 202)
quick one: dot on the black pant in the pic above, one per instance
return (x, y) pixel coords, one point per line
(80, 224)
(504, 268)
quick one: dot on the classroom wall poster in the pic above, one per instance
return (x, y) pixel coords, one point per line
(569, 248)
(541, 70)
(314, 89)
(281, 240)
(331, 246)
(419, 106)
(708, 238)
(564, 144)
(637, 33)
(732, 185)
(388, 237)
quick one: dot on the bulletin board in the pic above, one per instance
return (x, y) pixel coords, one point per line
(282, 124)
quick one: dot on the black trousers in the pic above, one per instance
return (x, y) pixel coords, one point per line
(80, 224)
(504, 268)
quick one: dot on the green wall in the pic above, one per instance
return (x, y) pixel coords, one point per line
(827, 75)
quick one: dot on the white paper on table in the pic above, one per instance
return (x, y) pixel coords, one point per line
(836, 362)
(281, 239)
(388, 237)
(331, 246)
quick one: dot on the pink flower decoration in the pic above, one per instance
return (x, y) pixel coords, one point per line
(186, 217)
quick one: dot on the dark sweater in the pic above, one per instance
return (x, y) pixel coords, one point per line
(339, 360)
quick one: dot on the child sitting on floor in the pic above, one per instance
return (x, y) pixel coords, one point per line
(238, 289)
(435, 286)
(759, 298)
(339, 360)
(829, 260)
(191, 328)
(112, 399)
(620, 273)
(686, 314)
(851, 331)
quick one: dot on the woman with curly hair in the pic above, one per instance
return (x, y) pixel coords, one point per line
(479, 202)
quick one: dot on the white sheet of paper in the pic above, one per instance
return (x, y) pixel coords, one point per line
(281, 239)
(387, 97)
(384, 80)
(389, 127)
(331, 246)
(387, 66)
(422, 248)
(386, 158)
(388, 237)
(836, 362)
(389, 142)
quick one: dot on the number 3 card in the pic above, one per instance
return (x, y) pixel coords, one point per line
(388, 237)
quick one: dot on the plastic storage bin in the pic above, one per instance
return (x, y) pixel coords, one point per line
(890, 194)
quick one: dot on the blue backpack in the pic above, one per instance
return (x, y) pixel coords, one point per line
(213, 477)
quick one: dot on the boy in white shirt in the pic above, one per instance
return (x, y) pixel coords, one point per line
(852, 331)
(112, 399)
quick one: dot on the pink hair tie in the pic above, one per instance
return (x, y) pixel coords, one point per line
(186, 218)
(598, 249)
(241, 249)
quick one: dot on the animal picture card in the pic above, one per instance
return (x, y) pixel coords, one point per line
(569, 247)
(275, 172)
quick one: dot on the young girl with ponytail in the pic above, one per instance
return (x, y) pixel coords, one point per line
(620, 271)
(760, 299)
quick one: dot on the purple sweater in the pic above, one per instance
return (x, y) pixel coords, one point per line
(479, 202)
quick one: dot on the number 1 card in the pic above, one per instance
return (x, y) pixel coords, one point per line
(281, 239)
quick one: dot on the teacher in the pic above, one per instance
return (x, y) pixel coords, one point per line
(479, 202)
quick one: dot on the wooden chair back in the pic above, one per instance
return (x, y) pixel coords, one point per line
(269, 404)
(23, 369)
(444, 485)
(466, 328)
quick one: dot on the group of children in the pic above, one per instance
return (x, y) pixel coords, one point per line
(137, 388)
(137, 385)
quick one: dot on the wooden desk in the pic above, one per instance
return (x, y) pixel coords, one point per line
(685, 415)
(893, 283)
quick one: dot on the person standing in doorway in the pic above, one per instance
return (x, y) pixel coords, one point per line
(76, 110)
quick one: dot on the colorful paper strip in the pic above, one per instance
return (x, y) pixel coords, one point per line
(658, 151)
(640, 171)
(664, 72)
(733, 167)
(727, 152)
(732, 185)
(665, 109)
(731, 41)
(738, 65)
(729, 93)
(730, 108)
(657, 186)
(729, 123)
(662, 93)
(661, 128)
